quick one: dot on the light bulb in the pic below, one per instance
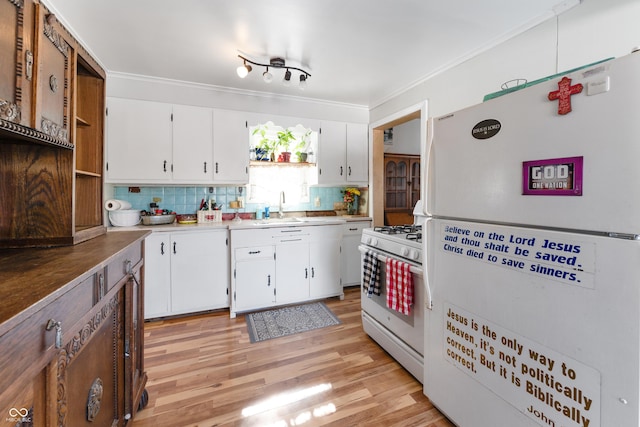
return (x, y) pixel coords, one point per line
(243, 70)
(267, 76)
(303, 81)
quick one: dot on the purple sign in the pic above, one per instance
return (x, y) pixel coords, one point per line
(552, 177)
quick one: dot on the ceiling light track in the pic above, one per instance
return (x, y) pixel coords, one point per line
(246, 68)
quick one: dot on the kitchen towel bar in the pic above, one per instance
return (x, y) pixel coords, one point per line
(413, 269)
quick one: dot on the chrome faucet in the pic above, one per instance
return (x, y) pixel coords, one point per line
(280, 211)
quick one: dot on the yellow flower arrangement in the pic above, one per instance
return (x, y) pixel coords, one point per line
(349, 194)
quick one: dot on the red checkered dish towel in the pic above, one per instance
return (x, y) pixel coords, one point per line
(399, 286)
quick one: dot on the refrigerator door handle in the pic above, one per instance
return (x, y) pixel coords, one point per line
(426, 230)
(426, 160)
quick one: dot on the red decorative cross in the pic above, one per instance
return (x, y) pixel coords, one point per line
(563, 94)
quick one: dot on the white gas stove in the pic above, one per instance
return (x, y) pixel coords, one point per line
(402, 336)
(404, 241)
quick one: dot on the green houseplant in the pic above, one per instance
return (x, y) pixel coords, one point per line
(302, 146)
(265, 146)
(285, 137)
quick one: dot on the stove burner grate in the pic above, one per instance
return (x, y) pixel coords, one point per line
(398, 229)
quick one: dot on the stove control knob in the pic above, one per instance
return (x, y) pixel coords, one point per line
(414, 254)
(374, 241)
(404, 252)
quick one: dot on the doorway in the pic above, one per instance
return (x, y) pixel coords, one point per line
(377, 169)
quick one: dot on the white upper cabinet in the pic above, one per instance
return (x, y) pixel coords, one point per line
(357, 153)
(158, 143)
(343, 154)
(230, 147)
(138, 141)
(192, 144)
(332, 153)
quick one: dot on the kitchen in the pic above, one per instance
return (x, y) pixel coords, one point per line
(542, 43)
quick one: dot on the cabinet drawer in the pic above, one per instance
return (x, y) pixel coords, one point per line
(117, 268)
(28, 343)
(256, 252)
(355, 227)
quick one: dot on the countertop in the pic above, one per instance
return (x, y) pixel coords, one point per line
(248, 223)
(33, 277)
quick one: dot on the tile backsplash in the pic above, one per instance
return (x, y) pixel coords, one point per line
(187, 199)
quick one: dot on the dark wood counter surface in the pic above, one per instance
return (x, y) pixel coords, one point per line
(32, 278)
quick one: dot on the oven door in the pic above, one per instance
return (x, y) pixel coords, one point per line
(409, 329)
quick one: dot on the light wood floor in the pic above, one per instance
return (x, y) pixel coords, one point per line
(203, 371)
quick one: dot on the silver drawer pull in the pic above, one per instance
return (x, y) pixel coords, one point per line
(58, 325)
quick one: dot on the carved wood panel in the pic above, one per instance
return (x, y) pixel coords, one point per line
(11, 66)
(55, 56)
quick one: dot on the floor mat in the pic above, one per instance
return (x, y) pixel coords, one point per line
(280, 322)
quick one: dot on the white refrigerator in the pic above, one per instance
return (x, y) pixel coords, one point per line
(533, 257)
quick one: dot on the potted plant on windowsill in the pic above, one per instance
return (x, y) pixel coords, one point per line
(302, 147)
(265, 146)
(285, 137)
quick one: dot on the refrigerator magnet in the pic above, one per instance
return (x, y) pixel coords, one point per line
(552, 177)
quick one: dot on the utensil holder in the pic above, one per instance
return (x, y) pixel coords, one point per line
(210, 216)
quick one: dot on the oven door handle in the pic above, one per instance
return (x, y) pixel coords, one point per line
(414, 269)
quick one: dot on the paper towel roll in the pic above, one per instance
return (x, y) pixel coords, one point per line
(116, 205)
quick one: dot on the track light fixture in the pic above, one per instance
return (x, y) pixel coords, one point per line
(245, 69)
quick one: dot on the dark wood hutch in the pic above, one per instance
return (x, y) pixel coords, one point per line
(71, 317)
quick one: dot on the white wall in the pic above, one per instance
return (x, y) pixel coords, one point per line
(406, 139)
(591, 31)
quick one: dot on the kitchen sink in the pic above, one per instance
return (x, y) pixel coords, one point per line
(280, 221)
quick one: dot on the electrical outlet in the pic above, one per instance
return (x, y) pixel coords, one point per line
(316, 202)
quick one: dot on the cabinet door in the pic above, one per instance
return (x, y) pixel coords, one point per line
(230, 147)
(325, 267)
(331, 156)
(292, 272)
(195, 276)
(55, 57)
(350, 259)
(396, 177)
(157, 271)
(138, 141)
(255, 284)
(192, 144)
(357, 153)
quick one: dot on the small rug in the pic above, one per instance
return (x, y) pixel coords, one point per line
(280, 322)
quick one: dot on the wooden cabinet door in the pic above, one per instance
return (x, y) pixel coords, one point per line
(139, 147)
(357, 153)
(414, 182)
(88, 371)
(17, 65)
(157, 294)
(331, 156)
(230, 147)
(396, 176)
(192, 144)
(55, 58)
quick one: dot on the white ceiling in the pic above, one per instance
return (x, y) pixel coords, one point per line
(359, 52)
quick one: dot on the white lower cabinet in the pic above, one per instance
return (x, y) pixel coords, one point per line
(254, 276)
(324, 255)
(350, 259)
(284, 265)
(186, 272)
